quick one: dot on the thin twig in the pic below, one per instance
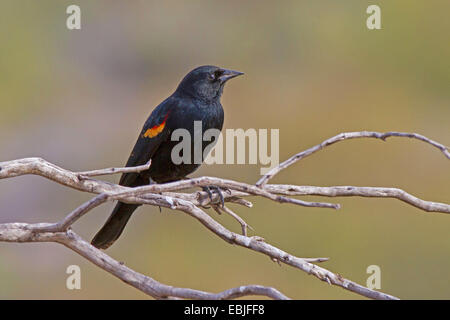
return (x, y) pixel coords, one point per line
(76, 214)
(108, 171)
(244, 225)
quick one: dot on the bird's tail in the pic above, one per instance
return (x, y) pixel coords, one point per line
(114, 226)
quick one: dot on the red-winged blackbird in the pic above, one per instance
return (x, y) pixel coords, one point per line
(197, 98)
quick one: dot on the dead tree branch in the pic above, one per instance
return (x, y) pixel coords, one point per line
(23, 232)
(346, 136)
(169, 196)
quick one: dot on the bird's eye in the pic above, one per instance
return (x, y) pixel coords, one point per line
(215, 75)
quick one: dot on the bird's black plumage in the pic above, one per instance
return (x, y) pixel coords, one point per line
(197, 98)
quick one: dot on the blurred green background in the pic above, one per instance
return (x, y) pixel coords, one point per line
(312, 69)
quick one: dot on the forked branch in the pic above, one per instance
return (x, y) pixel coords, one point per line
(169, 195)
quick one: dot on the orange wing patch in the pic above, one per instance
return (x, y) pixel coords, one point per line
(155, 130)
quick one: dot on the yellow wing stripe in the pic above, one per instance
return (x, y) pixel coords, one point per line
(155, 130)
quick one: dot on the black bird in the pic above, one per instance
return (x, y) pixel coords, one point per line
(197, 98)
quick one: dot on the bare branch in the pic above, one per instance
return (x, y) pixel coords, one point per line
(223, 183)
(346, 136)
(350, 191)
(48, 170)
(256, 244)
(22, 232)
(169, 196)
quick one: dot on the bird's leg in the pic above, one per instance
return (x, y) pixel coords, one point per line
(219, 192)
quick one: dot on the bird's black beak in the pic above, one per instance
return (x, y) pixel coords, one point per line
(229, 74)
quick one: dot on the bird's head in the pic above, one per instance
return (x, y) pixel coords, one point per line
(206, 82)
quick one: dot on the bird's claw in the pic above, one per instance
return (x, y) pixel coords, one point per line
(219, 192)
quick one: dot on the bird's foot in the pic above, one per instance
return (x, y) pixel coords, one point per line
(219, 191)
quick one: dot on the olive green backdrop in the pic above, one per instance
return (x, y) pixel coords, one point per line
(312, 69)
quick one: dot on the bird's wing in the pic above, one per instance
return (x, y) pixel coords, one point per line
(152, 135)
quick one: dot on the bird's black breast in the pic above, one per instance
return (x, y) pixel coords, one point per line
(184, 113)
